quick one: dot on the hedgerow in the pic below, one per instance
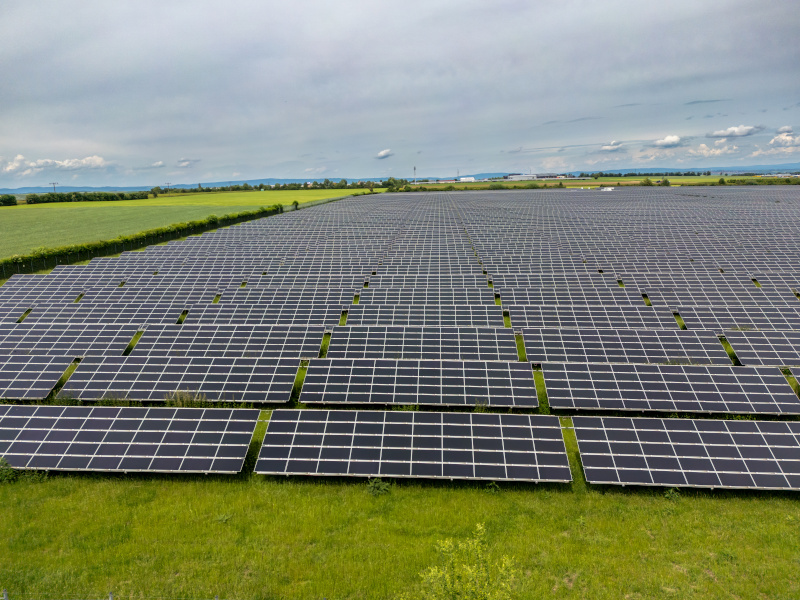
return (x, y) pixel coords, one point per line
(84, 197)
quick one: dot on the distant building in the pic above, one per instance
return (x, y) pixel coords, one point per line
(466, 179)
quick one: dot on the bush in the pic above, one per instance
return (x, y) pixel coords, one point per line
(665, 182)
(7, 472)
(496, 186)
(721, 181)
(407, 188)
(8, 200)
(466, 571)
(449, 188)
(647, 181)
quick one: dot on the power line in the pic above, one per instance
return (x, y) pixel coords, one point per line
(54, 184)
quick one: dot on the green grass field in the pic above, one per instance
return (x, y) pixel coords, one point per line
(24, 228)
(83, 536)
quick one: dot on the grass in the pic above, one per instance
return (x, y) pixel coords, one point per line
(83, 536)
(24, 228)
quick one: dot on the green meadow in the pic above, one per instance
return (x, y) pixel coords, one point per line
(251, 536)
(26, 227)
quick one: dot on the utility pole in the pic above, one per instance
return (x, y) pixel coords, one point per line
(54, 184)
(167, 184)
(415, 175)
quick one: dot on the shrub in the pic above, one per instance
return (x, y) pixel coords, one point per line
(647, 181)
(449, 188)
(466, 571)
(496, 186)
(665, 182)
(7, 472)
(378, 487)
(407, 188)
(8, 200)
(721, 181)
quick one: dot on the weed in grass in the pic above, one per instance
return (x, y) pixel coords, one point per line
(378, 487)
(467, 571)
(492, 487)
(672, 494)
(7, 472)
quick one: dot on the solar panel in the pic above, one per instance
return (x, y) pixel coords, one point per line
(24, 377)
(592, 317)
(249, 341)
(766, 347)
(303, 295)
(11, 313)
(740, 318)
(624, 345)
(325, 315)
(690, 452)
(423, 296)
(159, 378)
(437, 315)
(105, 438)
(414, 444)
(139, 313)
(423, 382)
(436, 343)
(57, 339)
(669, 388)
(584, 296)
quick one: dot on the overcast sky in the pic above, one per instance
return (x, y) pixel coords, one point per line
(130, 93)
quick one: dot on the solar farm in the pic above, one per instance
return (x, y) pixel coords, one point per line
(645, 339)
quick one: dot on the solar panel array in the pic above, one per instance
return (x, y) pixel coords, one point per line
(105, 438)
(690, 452)
(414, 444)
(441, 300)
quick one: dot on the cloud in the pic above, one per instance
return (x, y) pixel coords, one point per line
(157, 165)
(612, 147)
(671, 141)
(707, 152)
(14, 164)
(21, 166)
(554, 163)
(384, 154)
(187, 163)
(581, 119)
(740, 131)
(785, 139)
(720, 141)
(315, 170)
(630, 104)
(693, 102)
(785, 129)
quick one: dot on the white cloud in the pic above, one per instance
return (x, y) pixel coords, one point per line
(612, 147)
(384, 154)
(739, 131)
(14, 164)
(720, 141)
(187, 163)
(157, 165)
(785, 140)
(651, 154)
(315, 170)
(785, 129)
(671, 141)
(21, 166)
(706, 151)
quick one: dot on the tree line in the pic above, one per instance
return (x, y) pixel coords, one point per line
(84, 197)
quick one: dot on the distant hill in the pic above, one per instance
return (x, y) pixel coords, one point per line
(790, 167)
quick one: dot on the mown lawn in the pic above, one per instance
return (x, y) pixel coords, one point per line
(24, 228)
(83, 536)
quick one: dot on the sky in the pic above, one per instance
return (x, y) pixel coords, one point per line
(149, 92)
